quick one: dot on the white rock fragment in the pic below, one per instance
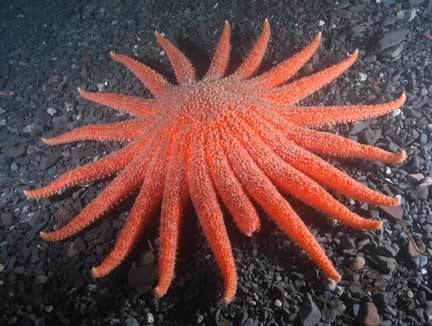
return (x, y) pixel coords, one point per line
(28, 129)
(100, 86)
(150, 318)
(396, 112)
(51, 111)
(427, 182)
(412, 14)
(363, 77)
(416, 177)
(68, 106)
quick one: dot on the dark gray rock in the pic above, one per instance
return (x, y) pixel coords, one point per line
(368, 315)
(371, 136)
(386, 265)
(329, 315)
(15, 151)
(6, 219)
(142, 278)
(391, 39)
(394, 211)
(131, 321)
(50, 159)
(421, 193)
(386, 251)
(310, 314)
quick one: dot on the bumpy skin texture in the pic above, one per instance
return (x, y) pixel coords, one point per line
(234, 140)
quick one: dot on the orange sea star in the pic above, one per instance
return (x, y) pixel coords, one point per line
(234, 139)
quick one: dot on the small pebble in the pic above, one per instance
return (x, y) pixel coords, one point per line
(150, 318)
(358, 263)
(41, 279)
(396, 112)
(100, 86)
(132, 322)
(51, 111)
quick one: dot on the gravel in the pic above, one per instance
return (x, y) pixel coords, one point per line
(49, 48)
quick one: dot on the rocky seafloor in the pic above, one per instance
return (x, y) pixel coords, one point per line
(48, 48)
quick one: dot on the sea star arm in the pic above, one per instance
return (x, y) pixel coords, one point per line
(183, 69)
(102, 168)
(116, 131)
(133, 105)
(145, 204)
(230, 189)
(303, 87)
(266, 195)
(174, 201)
(221, 56)
(315, 167)
(125, 183)
(317, 116)
(287, 68)
(154, 81)
(210, 215)
(256, 54)
(325, 143)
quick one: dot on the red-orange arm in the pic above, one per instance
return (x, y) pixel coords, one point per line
(221, 56)
(209, 214)
(116, 131)
(128, 181)
(256, 54)
(183, 69)
(154, 81)
(100, 169)
(303, 87)
(230, 189)
(279, 210)
(322, 116)
(145, 205)
(325, 143)
(287, 68)
(134, 105)
(174, 200)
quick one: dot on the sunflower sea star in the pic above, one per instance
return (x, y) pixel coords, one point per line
(235, 140)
